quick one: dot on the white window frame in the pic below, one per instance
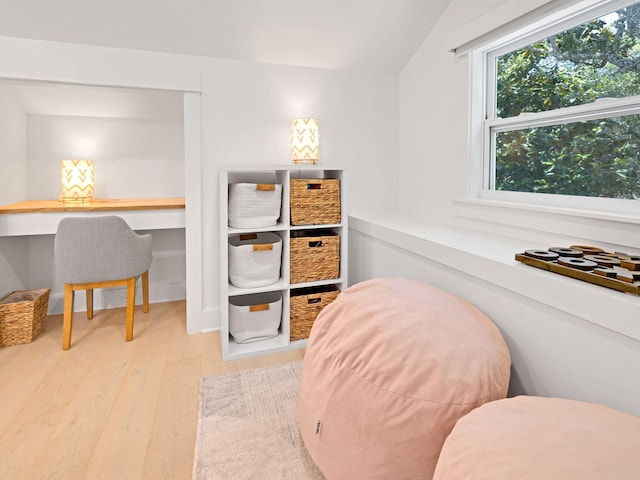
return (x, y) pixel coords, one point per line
(485, 125)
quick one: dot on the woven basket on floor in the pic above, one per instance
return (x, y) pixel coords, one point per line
(306, 304)
(23, 316)
(314, 256)
(314, 201)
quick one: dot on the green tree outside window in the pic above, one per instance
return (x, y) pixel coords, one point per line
(594, 158)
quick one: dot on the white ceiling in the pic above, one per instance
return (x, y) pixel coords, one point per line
(361, 35)
(364, 35)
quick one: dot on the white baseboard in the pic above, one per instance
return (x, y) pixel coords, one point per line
(211, 320)
(104, 298)
(116, 297)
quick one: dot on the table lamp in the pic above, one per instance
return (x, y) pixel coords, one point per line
(77, 181)
(305, 142)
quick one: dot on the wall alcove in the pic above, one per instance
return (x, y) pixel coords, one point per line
(136, 137)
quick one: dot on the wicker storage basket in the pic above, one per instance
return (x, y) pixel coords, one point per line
(314, 256)
(315, 201)
(254, 259)
(306, 304)
(254, 205)
(255, 317)
(23, 316)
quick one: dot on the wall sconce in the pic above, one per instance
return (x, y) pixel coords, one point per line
(305, 142)
(77, 181)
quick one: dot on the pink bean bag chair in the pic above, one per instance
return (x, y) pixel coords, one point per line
(390, 366)
(535, 438)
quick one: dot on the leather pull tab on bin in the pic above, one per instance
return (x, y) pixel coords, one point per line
(261, 307)
(265, 187)
(263, 248)
(248, 236)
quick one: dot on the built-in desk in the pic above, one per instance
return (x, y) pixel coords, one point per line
(41, 217)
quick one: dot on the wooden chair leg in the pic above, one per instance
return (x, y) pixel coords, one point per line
(131, 299)
(89, 293)
(68, 316)
(145, 291)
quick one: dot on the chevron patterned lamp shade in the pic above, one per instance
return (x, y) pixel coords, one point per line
(305, 142)
(77, 181)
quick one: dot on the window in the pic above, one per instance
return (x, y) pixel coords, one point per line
(562, 108)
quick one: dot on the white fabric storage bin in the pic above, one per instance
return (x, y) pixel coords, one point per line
(254, 205)
(254, 259)
(255, 317)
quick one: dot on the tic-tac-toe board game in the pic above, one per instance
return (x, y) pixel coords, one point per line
(615, 270)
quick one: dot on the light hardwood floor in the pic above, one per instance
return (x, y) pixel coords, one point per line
(106, 408)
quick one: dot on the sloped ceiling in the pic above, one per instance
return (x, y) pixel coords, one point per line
(363, 35)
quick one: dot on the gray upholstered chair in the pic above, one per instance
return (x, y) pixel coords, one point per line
(100, 252)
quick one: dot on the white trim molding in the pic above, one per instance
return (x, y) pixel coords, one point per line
(515, 18)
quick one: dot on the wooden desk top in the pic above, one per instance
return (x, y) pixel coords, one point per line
(97, 205)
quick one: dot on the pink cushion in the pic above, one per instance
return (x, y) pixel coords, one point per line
(390, 366)
(542, 438)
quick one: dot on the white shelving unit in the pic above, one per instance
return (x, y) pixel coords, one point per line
(279, 175)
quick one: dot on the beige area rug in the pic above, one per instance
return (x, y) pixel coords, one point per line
(248, 427)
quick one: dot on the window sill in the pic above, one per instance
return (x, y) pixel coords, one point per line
(615, 230)
(490, 257)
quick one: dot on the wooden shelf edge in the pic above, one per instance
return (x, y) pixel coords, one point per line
(97, 205)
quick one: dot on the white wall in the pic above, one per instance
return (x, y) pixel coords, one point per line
(434, 120)
(13, 187)
(132, 157)
(553, 353)
(13, 149)
(245, 111)
(14, 264)
(434, 114)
